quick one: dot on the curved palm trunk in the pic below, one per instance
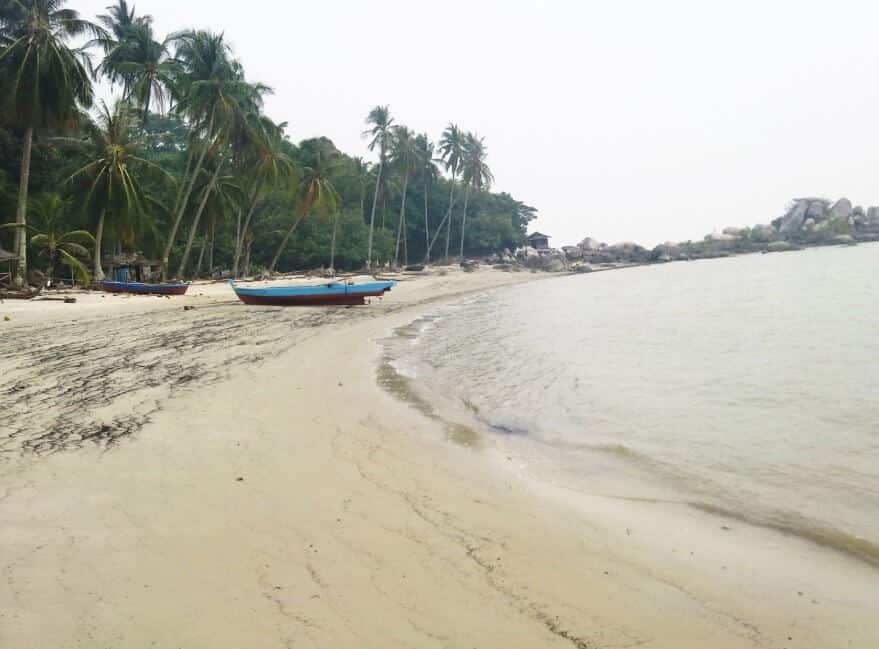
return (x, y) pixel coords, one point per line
(464, 222)
(204, 200)
(439, 229)
(449, 216)
(211, 248)
(402, 218)
(242, 234)
(204, 245)
(183, 202)
(426, 226)
(20, 241)
(378, 180)
(97, 270)
(284, 242)
(333, 242)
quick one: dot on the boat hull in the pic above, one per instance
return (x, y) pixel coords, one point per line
(140, 288)
(334, 294)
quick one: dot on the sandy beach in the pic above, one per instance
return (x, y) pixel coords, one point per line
(236, 477)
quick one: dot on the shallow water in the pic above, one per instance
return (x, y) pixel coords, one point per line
(746, 386)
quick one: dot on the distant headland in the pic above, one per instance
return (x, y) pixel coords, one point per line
(806, 222)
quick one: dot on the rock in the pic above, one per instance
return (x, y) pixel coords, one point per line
(719, 237)
(843, 239)
(809, 224)
(580, 267)
(793, 220)
(762, 233)
(818, 209)
(573, 253)
(858, 211)
(873, 215)
(555, 265)
(733, 232)
(842, 208)
(779, 246)
(589, 244)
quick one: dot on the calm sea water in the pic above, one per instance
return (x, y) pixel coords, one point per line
(747, 386)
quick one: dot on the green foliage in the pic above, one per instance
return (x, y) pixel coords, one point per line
(214, 173)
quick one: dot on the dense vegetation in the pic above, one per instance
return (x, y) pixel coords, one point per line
(185, 167)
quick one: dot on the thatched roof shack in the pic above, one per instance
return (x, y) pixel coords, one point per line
(131, 267)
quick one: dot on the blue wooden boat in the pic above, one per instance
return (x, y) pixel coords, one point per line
(333, 293)
(143, 289)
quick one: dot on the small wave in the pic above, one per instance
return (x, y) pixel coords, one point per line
(799, 526)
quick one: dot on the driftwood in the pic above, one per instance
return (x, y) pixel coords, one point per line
(27, 293)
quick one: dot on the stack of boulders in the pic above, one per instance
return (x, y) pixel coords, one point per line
(548, 259)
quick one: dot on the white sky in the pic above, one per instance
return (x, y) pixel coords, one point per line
(626, 120)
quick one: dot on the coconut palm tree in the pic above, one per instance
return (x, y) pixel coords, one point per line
(475, 173)
(134, 58)
(451, 148)
(426, 165)
(315, 191)
(403, 157)
(69, 248)
(264, 166)
(211, 94)
(42, 83)
(111, 179)
(380, 122)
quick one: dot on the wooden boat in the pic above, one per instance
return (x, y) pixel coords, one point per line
(333, 293)
(143, 289)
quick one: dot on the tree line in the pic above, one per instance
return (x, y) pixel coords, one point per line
(184, 166)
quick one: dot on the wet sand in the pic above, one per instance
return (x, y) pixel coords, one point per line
(235, 477)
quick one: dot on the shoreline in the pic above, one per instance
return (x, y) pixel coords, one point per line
(354, 522)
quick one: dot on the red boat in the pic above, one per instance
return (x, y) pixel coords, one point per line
(334, 293)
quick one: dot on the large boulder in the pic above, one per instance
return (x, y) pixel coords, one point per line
(590, 244)
(762, 233)
(573, 253)
(842, 207)
(818, 209)
(793, 220)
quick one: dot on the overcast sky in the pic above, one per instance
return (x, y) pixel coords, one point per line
(646, 121)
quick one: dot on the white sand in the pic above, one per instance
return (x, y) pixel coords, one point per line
(280, 498)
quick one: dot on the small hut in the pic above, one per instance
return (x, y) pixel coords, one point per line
(131, 267)
(7, 266)
(538, 241)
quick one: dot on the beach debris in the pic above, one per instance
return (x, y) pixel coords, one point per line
(239, 479)
(725, 528)
(188, 307)
(6, 318)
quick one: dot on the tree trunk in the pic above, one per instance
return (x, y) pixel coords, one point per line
(97, 271)
(195, 220)
(243, 233)
(464, 222)
(439, 228)
(405, 244)
(284, 242)
(333, 242)
(184, 200)
(402, 218)
(211, 248)
(426, 225)
(378, 179)
(204, 244)
(449, 220)
(20, 245)
(247, 257)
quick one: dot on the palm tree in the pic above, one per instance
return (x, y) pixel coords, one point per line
(424, 153)
(314, 192)
(380, 120)
(110, 179)
(42, 83)
(134, 58)
(56, 244)
(475, 173)
(211, 87)
(403, 155)
(451, 150)
(264, 166)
